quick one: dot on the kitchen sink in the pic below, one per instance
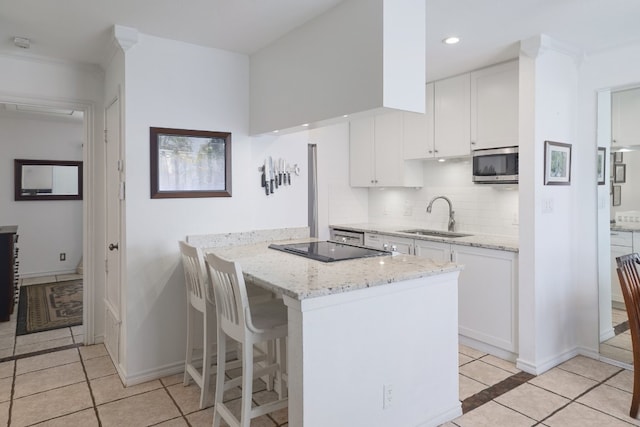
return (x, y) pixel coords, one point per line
(434, 233)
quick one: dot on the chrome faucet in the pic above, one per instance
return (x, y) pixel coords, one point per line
(452, 222)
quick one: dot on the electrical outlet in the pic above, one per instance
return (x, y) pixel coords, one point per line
(547, 205)
(387, 396)
(63, 256)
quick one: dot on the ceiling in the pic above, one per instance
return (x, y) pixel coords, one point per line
(79, 30)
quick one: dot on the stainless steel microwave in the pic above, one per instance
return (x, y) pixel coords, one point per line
(495, 165)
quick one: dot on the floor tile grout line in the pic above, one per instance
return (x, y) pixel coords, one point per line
(93, 399)
(575, 399)
(182, 414)
(13, 390)
(39, 352)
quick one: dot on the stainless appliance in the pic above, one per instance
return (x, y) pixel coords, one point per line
(347, 236)
(495, 165)
(328, 251)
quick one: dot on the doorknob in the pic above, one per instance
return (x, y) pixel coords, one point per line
(112, 246)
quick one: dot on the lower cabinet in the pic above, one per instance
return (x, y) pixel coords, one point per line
(487, 291)
(621, 244)
(487, 296)
(389, 243)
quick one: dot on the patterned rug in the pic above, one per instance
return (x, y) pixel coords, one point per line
(49, 306)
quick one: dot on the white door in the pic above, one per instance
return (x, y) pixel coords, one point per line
(114, 197)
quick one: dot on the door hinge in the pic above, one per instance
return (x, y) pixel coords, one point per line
(106, 266)
(120, 165)
(105, 136)
(122, 191)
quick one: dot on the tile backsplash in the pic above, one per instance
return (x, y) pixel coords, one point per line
(479, 208)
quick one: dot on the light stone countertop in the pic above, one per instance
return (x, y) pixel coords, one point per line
(489, 241)
(625, 227)
(302, 278)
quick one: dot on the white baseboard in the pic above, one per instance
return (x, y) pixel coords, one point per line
(487, 348)
(442, 418)
(607, 334)
(46, 273)
(151, 374)
(544, 366)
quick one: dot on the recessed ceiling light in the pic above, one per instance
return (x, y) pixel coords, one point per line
(346, 115)
(441, 160)
(276, 131)
(451, 40)
(22, 42)
(305, 125)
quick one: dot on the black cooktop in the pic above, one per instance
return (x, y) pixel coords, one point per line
(328, 251)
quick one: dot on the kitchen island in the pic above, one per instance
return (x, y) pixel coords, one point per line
(372, 341)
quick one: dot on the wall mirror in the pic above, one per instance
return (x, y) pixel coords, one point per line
(47, 179)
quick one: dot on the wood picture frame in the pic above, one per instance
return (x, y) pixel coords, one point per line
(47, 179)
(557, 163)
(602, 165)
(617, 195)
(619, 173)
(618, 157)
(189, 163)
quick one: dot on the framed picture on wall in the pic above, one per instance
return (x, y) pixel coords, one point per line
(617, 157)
(190, 163)
(617, 195)
(557, 163)
(602, 157)
(619, 173)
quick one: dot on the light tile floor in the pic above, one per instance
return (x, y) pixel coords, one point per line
(77, 385)
(80, 387)
(619, 347)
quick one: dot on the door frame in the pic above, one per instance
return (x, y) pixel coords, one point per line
(88, 199)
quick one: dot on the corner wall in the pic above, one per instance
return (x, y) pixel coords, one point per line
(548, 101)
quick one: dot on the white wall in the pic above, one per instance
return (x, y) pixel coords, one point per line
(338, 202)
(485, 209)
(199, 88)
(46, 228)
(548, 101)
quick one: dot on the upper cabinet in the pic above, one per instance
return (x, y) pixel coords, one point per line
(467, 112)
(418, 130)
(376, 156)
(625, 110)
(452, 111)
(494, 106)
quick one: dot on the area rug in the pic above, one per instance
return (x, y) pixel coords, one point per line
(49, 306)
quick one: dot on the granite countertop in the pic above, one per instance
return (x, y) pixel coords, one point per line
(625, 227)
(503, 243)
(301, 278)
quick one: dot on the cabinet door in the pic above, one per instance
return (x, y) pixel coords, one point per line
(373, 240)
(418, 130)
(361, 152)
(389, 162)
(494, 106)
(625, 110)
(437, 251)
(487, 295)
(452, 116)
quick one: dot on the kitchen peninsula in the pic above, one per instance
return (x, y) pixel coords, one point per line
(372, 341)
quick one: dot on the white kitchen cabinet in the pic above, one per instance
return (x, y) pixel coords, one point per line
(487, 296)
(621, 244)
(494, 106)
(419, 130)
(437, 251)
(376, 153)
(452, 131)
(625, 110)
(389, 243)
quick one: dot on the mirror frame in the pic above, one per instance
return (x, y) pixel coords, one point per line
(17, 179)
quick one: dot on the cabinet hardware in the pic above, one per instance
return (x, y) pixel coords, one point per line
(113, 246)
